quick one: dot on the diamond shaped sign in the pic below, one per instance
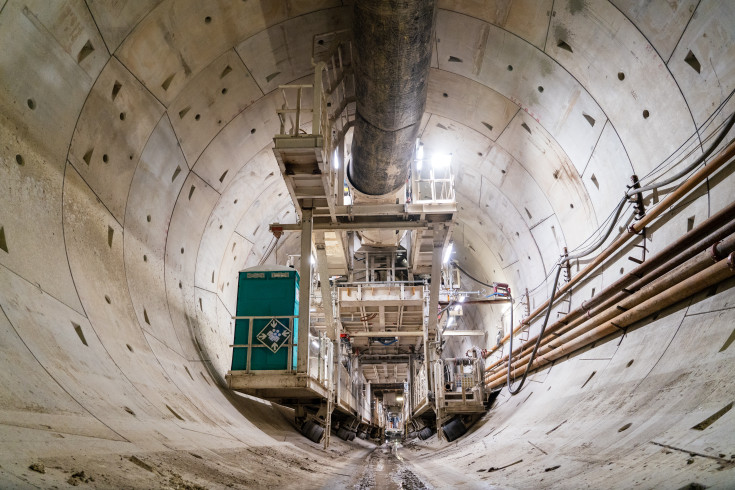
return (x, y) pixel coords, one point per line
(274, 335)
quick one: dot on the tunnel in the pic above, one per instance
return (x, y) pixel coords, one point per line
(138, 178)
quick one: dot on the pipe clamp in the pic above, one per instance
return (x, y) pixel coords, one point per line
(716, 257)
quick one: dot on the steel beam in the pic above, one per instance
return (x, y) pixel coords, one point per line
(304, 291)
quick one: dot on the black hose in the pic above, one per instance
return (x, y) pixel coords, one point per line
(693, 165)
(538, 340)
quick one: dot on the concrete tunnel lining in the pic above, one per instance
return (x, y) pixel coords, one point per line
(137, 179)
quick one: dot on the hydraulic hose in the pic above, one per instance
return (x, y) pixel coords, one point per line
(538, 340)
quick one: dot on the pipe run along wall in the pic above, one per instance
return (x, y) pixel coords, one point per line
(392, 42)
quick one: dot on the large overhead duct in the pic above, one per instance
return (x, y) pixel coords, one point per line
(393, 55)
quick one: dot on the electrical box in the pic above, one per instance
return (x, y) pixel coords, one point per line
(268, 341)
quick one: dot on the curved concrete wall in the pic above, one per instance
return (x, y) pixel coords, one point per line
(137, 179)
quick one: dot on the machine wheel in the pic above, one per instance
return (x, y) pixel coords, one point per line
(425, 433)
(342, 433)
(350, 436)
(454, 429)
(312, 431)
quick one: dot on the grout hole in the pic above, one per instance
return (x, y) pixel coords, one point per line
(19, 160)
(252, 131)
(630, 363)
(563, 45)
(105, 158)
(540, 88)
(31, 104)
(122, 116)
(145, 258)
(78, 330)
(180, 285)
(622, 270)
(182, 250)
(109, 301)
(166, 83)
(625, 427)
(235, 202)
(510, 67)
(197, 117)
(85, 51)
(207, 20)
(116, 89)
(571, 206)
(646, 114)
(621, 76)
(445, 94)
(110, 234)
(692, 61)
(148, 218)
(224, 91)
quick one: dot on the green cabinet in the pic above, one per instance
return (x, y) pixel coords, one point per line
(268, 341)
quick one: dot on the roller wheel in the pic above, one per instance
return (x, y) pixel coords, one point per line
(454, 429)
(351, 436)
(425, 433)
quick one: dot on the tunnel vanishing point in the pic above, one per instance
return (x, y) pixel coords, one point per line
(367, 244)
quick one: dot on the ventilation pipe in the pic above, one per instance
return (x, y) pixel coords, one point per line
(392, 41)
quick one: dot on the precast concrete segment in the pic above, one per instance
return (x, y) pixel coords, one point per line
(392, 47)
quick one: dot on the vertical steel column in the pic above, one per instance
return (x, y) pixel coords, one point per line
(304, 290)
(436, 274)
(322, 267)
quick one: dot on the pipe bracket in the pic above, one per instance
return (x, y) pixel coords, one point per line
(714, 253)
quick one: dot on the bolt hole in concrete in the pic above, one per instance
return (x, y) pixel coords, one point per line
(630, 363)
(625, 427)
(130, 347)
(252, 131)
(621, 76)
(445, 94)
(510, 67)
(622, 270)
(646, 114)
(145, 258)
(207, 20)
(19, 160)
(3, 243)
(105, 158)
(197, 117)
(224, 91)
(182, 250)
(540, 88)
(109, 301)
(78, 330)
(148, 218)
(122, 116)
(130, 411)
(31, 104)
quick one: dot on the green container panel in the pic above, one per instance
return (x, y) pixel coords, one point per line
(265, 293)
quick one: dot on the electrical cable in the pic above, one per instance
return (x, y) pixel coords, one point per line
(690, 167)
(538, 340)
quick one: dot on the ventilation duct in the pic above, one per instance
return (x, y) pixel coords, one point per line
(392, 42)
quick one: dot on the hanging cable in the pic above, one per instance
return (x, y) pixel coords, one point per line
(691, 166)
(538, 340)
